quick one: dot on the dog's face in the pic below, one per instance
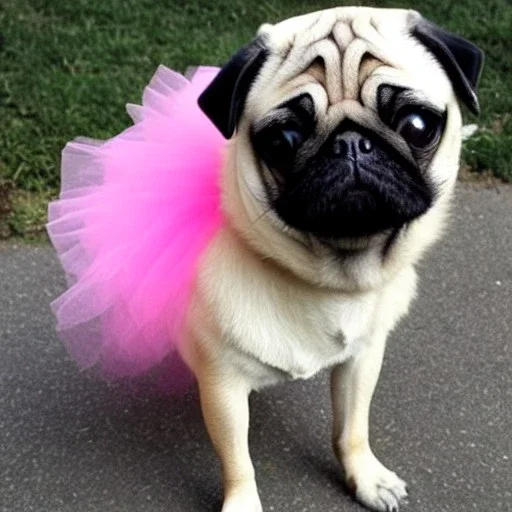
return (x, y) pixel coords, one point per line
(348, 125)
(350, 170)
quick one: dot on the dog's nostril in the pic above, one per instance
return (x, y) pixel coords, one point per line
(350, 143)
(365, 145)
(339, 146)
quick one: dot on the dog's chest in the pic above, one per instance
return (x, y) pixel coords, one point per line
(274, 327)
(297, 336)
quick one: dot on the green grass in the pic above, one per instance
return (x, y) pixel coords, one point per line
(67, 68)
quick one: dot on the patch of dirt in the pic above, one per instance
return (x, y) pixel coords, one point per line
(498, 124)
(5, 209)
(485, 179)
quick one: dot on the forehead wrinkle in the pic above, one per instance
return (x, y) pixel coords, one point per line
(301, 57)
(342, 34)
(306, 83)
(320, 29)
(306, 48)
(317, 72)
(341, 42)
(367, 39)
(378, 45)
(396, 77)
(329, 51)
(292, 66)
(351, 63)
(323, 29)
(366, 69)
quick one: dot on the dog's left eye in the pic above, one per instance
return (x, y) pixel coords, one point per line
(419, 128)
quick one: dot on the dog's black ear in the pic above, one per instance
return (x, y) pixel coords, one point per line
(461, 59)
(224, 99)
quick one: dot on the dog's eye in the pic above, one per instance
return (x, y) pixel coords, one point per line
(419, 128)
(288, 137)
(277, 145)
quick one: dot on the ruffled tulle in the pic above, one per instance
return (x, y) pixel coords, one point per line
(134, 216)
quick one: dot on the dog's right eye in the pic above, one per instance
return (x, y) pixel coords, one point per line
(288, 138)
(277, 144)
(278, 138)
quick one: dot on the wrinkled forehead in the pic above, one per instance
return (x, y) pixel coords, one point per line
(344, 54)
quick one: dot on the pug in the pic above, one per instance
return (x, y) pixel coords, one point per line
(345, 134)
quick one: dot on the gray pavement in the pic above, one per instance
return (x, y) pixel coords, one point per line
(442, 415)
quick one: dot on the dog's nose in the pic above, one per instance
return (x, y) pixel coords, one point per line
(350, 143)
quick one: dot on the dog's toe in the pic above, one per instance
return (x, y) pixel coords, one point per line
(242, 498)
(374, 485)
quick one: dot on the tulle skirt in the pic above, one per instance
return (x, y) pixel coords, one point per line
(134, 216)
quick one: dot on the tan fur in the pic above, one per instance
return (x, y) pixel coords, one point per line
(270, 304)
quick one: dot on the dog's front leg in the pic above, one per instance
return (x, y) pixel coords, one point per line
(225, 406)
(352, 387)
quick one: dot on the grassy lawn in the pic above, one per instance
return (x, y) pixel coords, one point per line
(67, 68)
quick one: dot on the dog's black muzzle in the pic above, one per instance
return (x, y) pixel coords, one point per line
(356, 185)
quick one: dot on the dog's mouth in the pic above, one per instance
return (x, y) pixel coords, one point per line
(361, 204)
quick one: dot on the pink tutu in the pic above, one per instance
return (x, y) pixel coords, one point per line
(134, 215)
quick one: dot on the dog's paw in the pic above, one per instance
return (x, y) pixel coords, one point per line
(242, 498)
(373, 484)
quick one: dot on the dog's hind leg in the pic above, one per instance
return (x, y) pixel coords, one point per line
(352, 387)
(225, 406)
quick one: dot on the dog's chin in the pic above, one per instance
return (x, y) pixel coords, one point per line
(352, 246)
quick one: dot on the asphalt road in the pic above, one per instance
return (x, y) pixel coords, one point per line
(442, 415)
